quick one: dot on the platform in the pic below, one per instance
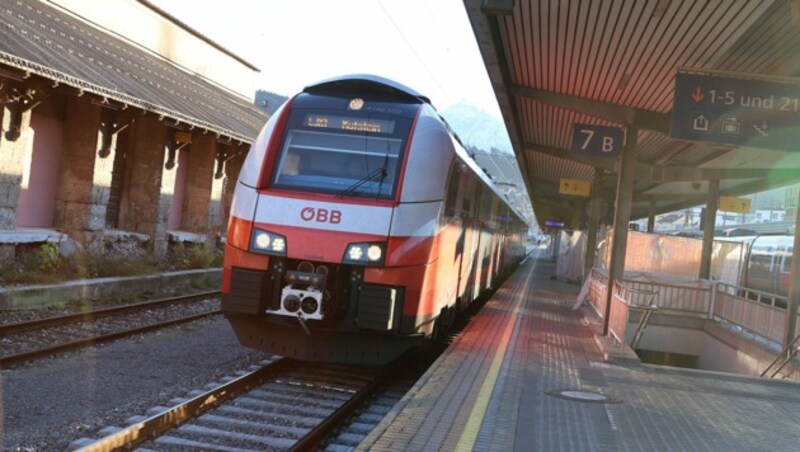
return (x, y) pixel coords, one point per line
(498, 387)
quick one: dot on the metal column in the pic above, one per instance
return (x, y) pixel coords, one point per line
(594, 222)
(709, 223)
(651, 217)
(794, 282)
(622, 216)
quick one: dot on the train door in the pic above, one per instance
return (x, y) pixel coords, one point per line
(484, 240)
(494, 242)
(467, 195)
(504, 238)
(759, 268)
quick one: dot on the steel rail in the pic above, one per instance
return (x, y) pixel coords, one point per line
(92, 315)
(19, 358)
(338, 417)
(330, 424)
(156, 425)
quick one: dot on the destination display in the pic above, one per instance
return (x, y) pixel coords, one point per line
(349, 123)
(761, 113)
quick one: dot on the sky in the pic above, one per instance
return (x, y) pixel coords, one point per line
(426, 45)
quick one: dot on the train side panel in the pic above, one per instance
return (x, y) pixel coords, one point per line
(429, 159)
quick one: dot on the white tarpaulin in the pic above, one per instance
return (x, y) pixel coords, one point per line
(571, 252)
(678, 256)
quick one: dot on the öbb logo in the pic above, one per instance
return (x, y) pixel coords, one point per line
(321, 215)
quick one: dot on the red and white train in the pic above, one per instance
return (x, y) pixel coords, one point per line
(767, 263)
(360, 227)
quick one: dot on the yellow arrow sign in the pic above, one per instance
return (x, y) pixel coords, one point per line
(730, 204)
(575, 187)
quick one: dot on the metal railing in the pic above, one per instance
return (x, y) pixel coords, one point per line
(758, 312)
(783, 358)
(627, 298)
(597, 292)
(692, 299)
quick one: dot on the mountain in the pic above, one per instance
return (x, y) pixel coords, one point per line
(486, 139)
(477, 128)
(269, 102)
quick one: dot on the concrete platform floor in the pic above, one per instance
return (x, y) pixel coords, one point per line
(497, 388)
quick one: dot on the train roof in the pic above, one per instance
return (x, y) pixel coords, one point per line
(760, 240)
(367, 81)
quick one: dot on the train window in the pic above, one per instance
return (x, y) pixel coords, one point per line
(787, 261)
(485, 205)
(356, 153)
(450, 208)
(353, 165)
(761, 260)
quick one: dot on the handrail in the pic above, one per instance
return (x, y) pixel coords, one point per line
(790, 351)
(761, 296)
(652, 294)
(647, 309)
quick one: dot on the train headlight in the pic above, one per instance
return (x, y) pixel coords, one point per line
(262, 240)
(374, 253)
(267, 242)
(279, 244)
(365, 253)
(355, 253)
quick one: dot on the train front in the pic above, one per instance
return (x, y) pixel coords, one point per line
(310, 226)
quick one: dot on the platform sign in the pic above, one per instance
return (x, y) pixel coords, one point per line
(731, 204)
(554, 224)
(597, 141)
(737, 111)
(575, 187)
(183, 137)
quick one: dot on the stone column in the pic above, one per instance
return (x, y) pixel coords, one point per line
(149, 186)
(198, 184)
(651, 217)
(15, 151)
(84, 178)
(232, 168)
(216, 202)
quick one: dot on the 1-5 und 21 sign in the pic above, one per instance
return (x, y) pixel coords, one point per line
(761, 113)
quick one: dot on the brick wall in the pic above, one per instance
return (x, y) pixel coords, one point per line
(198, 184)
(142, 208)
(80, 203)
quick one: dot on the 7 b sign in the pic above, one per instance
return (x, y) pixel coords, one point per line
(597, 141)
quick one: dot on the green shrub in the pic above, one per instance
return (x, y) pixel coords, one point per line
(42, 264)
(200, 256)
(196, 255)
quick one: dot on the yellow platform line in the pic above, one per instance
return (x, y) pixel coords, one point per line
(466, 442)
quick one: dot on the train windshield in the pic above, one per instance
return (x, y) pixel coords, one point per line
(348, 155)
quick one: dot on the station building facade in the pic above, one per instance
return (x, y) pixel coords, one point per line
(121, 126)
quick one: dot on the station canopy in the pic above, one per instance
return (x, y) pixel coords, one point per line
(567, 73)
(42, 40)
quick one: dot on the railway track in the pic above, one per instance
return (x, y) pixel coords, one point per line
(25, 341)
(283, 405)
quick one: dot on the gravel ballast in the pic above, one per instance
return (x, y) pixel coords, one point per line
(48, 403)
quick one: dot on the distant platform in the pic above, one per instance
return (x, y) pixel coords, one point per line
(527, 375)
